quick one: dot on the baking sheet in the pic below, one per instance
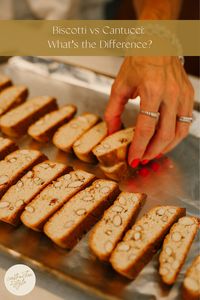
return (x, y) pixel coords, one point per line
(175, 182)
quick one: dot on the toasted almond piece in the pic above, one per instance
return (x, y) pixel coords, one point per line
(83, 213)
(43, 129)
(116, 220)
(191, 283)
(6, 147)
(53, 197)
(144, 243)
(177, 244)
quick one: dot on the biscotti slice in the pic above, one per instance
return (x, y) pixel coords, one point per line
(191, 283)
(4, 82)
(46, 126)
(84, 145)
(80, 213)
(143, 240)
(16, 122)
(19, 195)
(53, 197)
(67, 135)
(12, 97)
(115, 221)
(14, 166)
(176, 247)
(114, 147)
(6, 146)
(116, 172)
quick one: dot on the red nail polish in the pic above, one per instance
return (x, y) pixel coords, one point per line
(144, 172)
(135, 163)
(159, 155)
(145, 161)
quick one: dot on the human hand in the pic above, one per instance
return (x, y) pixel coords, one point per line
(163, 85)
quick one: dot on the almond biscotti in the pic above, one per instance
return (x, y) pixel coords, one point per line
(115, 221)
(53, 197)
(14, 166)
(4, 82)
(16, 122)
(20, 194)
(84, 145)
(191, 283)
(6, 146)
(46, 126)
(80, 213)
(113, 148)
(143, 240)
(176, 247)
(67, 135)
(116, 172)
(12, 97)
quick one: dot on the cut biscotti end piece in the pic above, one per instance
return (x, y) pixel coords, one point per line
(116, 172)
(191, 283)
(53, 197)
(6, 146)
(115, 221)
(12, 97)
(84, 145)
(14, 166)
(5, 82)
(176, 247)
(16, 122)
(46, 126)
(114, 147)
(19, 195)
(80, 213)
(68, 134)
(143, 240)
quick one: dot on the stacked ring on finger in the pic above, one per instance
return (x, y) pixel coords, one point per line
(184, 119)
(151, 114)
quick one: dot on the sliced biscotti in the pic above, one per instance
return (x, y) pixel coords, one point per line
(46, 126)
(4, 82)
(84, 145)
(6, 146)
(116, 172)
(80, 213)
(20, 194)
(53, 197)
(14, 166)
(115, 221)
(12, 97)
(67, 135)
(143, 240)
(191, 283)
(113, 148)
(16, 122)
(176, 247)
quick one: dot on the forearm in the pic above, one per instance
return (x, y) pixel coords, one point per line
(157, 9)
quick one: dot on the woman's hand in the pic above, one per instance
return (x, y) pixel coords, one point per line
(163, 85)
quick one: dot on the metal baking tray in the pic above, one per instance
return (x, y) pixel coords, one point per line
(175, 182)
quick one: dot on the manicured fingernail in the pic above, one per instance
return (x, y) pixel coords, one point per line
(159, 155)
(144, 172)
(135, 163)
(145, 161)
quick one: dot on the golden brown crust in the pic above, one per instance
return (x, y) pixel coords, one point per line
(117, 172)
(4, 82)
(6, 147)
(191, 283)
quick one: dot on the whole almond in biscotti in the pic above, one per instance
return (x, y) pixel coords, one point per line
(191, 283)
(80, 213)
(43, 129)
(12, 97)
(143, 240)
(68, 134)
(115, 221)
(15, 123)
(6, 146)
(4, 82)
(176, 247)
(113, 149)
(14, 166)
(19, 195)
(84, 145)
(44, 205)
(116, 172)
